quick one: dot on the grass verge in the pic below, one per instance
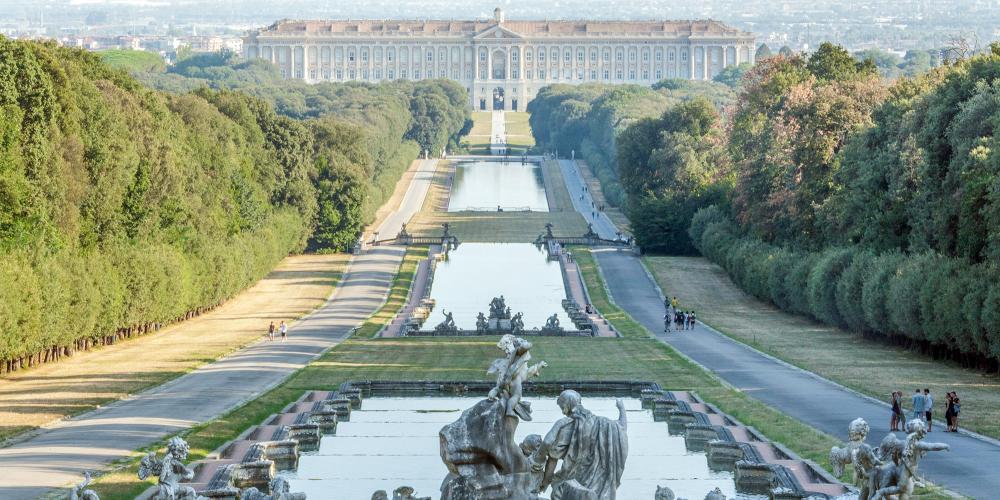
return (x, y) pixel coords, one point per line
(397, 294)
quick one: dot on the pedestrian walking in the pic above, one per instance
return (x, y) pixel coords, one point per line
(956, 410)
(948, 410)
(928, 407)
(667, 318)
(270, 331)
(918, 405)
(284, 331)
(692, 319)
(674, 302)
(898, 419)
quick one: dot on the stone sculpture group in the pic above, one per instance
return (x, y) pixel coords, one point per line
(889, 471)
(484, 461)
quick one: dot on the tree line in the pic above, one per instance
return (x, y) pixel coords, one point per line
(869, 205)
(123, 208)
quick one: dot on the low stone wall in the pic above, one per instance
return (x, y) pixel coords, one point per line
(759, 466)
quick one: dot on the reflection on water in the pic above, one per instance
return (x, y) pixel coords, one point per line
(392, 442)
(476, 272)
(485, 185)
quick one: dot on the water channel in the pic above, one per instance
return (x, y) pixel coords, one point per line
(486, 185)
(392, 442)
(476, 272)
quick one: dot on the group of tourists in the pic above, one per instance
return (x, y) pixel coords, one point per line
(282, 328)
(682, 320)
(923, 409)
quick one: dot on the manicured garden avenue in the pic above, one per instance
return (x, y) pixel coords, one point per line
(55, 457)
(800, 394)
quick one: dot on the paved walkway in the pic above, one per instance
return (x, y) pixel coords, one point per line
(578, 292)
(584, 202)
(498, 135)
(59, 455)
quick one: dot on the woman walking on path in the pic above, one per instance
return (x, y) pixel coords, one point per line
(897, 411)
(951, 412)
(270, 331)
(284, 331)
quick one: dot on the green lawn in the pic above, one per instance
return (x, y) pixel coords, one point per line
(494, 227)
(519, 135)
(478, 140)
(864, 365)
(555, 187)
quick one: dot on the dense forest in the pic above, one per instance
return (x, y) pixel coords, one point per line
(123, 207)
(869, 206)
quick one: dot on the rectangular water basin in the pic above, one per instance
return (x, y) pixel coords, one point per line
(488, 185)
(474, 273)
(393, 442)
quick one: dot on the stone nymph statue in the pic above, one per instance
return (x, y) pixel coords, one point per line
(582, 457)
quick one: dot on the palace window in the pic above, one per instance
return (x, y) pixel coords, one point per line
(659, 55)
(527, 74)
(567, 56)
(312, 74)
(326, 74)
(684, 56)
(607, 55)
(645, 74)
(350, 56)
(340, 74)
(283, 72)
(402, 74)
(391, 74)
(631, 74)
(670, 56)
(352, 75)
(513, 55)
(580, 55)
(579, 74)
(645, 56)
(593, 55)
(378, 74)
(430, 56)
(631, 55)
(364, 56)
(482, 56)
(567, 74)
(618, 74)
(482, 74)
(619, 55)
(541, 55)
(527, 55)
(430, 74)
(455, 74)
(364, 74)
(468, 74)
(391, 55)
(513, 73)
(607, 75)
(541, 74)
(416, 74)
(593, 74)
(659, 74)
(554, 56)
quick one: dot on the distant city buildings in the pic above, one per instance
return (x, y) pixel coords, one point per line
(501, 63)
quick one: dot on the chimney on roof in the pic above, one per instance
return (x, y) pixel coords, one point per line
(498, 15)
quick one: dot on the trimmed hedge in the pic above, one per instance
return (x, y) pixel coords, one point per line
(944, 306)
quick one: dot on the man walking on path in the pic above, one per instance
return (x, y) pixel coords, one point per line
(270, 331)
(918, 405)
(284, 331)
(928, 407)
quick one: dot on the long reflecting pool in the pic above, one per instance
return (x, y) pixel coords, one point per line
(392, 442)
(476, 272)
(486, 185)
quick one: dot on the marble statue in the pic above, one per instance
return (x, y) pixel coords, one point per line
(590, 232)
(531, 447)
(79, 492)
(548, 230)
(517, 323)
(857, 432)
(280, 490)
(552, 324)
(481, 323)
(715, 494)
(380, 495)
(512, 371)
(592, 451)
(406, 493)
(170, 471)
(448, 325)
(664, 493)
(499, 309)
(900, 479)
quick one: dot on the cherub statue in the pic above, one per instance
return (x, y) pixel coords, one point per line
(79, 492)
(170, 470)
(511, 373)
(280, 490)
(531, 447)
(857, 432)
(900, 480)
(481, 324)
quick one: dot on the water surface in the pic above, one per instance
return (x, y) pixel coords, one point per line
(485, 185)
(476, 272)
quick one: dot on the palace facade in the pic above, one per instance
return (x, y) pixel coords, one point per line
(501, 63)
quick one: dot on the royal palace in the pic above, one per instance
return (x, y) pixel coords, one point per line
(501, 63)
